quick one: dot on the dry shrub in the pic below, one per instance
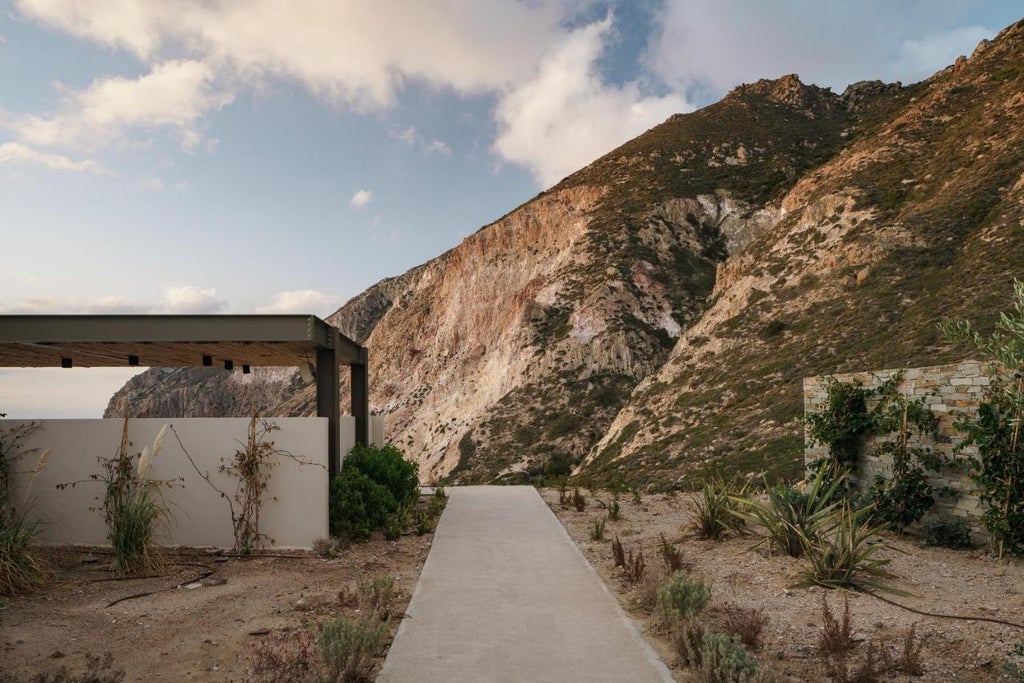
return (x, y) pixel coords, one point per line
(635, 566)
(746, 623)
(687, 639)
(647, 595)
(837, 636)
(618, 554)
(910, 660)
(283, 656)
(579, 501)
(97, 670)
(377, 593)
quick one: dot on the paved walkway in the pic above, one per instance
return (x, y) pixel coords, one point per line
(505, 595)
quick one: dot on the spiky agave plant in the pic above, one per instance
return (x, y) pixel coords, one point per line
(845, 556)
(791, 517)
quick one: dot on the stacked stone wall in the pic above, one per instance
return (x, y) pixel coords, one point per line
(947, 390)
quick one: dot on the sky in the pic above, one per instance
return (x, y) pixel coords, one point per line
(260, 156)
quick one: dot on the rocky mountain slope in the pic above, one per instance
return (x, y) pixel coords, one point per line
(655, 311)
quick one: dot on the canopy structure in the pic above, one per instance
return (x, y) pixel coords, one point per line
(228, 341)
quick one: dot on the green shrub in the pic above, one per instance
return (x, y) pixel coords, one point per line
(715, 508)
(844, 557)
(952, 532)
(373, 489)
(725, 660)
(387, 467)
(790, 518)
(358, 505)
(682, 597)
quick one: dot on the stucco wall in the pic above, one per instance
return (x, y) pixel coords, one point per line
(295, 503)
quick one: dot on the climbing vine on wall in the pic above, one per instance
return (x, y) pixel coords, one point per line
(998, 469)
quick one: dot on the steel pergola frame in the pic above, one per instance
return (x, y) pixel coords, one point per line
(229, 341)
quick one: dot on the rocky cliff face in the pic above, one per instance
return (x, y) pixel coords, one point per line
(917, 220)
(655, 311)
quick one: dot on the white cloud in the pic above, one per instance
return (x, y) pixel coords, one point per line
(566, 115)
(413, 138)
(713, 45)
(355, 54)
(174, 95)
(151, 183)
(192, 299)
(301, 301)
(57, 305)
(360, 199)
(17, 154)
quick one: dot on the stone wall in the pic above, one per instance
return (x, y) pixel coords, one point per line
(947, 390)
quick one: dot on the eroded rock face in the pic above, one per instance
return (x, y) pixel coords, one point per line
(656, 311)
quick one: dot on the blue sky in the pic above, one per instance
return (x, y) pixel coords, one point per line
(272, 155)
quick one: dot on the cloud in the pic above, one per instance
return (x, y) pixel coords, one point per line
(192, 299)
(17, 154)
(108, 305)
(174, 95)
(710, 46)
(151, 183)
(360, 199)
(354, 54)
(567, 115)
(301, 301)
(413, 138)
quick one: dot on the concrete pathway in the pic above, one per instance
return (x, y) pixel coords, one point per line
(505, 595)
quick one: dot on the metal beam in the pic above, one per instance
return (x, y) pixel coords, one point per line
(360, 387)
(328, 404)
(35, 340)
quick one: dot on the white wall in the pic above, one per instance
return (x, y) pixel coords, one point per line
(295, 503)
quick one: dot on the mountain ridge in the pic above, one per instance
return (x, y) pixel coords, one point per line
(608, 320)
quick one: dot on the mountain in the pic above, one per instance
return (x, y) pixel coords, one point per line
(654, 313)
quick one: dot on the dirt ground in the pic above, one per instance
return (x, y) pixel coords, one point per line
(205, 633)
(968, 583)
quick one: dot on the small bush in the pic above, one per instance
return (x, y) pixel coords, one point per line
(614, 511)
(376, 594)
(579, 501)
(953, 532)
(635, 566)
(283, 657)
(682, 597)
(598, 533)
(328, 548)
(350, 644)
(725, 660)
(836, 636)
(672, 556)
(910, 660)
(618, 554)
(359, 505)
(687, 639)
(423, 522)
(715, 508)
(746, 623)
(97, 670)
(647, 595)
(387, 467)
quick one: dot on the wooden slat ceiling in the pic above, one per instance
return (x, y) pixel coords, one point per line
(155, 354)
